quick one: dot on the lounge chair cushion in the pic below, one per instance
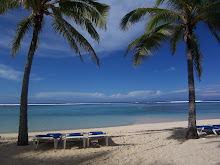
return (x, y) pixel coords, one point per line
(55, 135)
(205, 127)
(96, 133)
(75, 134)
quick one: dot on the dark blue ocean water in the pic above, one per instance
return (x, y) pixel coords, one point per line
(64, 117)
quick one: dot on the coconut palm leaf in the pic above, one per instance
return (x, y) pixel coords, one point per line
(75, 39)
(93, 11)
(176, 38)
(22, 28)
(214, 31)
(135, 16)
(146, 45)
(85, 23)
(197, 56)
(163, 17)
(176, 5)
(8, 5)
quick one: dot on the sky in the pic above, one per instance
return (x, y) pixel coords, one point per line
(58, 75)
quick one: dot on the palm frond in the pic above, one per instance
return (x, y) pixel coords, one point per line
(207, 5)
(214, 31)
(8, 5)
(163, 16)
(22, 28)
(157, 15)
(208, 12)
(197, 56)
(212, 19)
(89, 9)
(133, 17)
(75, 39)
(58, 27)
(26, 4)
(175, 5)
(176, 38)
(159, 2)
(147, 44)
(85, 23)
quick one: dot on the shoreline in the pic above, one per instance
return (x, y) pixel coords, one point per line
(149, 126)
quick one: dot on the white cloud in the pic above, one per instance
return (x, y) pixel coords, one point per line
(37, 78)
(136, 93)
(114, 39)
(211, 93)
(88, 97)
(158, 92)
(171, 69)
(179, 91)
(9, 73)
(66, 94)
(133, 94)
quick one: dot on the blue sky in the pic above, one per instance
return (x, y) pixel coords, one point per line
(57, 75)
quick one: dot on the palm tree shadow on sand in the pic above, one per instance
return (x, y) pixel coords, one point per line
(179, 134)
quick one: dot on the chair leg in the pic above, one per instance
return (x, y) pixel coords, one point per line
(84, 143)
(37, 144)
(55, 143)
(34, 143)
(106, 140)
(214, 131)
(88, 142)
(64, 144)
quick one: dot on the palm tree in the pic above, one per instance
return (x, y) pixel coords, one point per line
(86, 14)
(174, 24)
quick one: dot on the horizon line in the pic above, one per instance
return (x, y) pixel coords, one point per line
(135, 102)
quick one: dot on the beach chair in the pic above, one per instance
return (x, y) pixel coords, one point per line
(49, 137)
(204, 128)
(97, 135)
(74, 137)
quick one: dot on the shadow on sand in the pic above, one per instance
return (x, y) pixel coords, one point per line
(178, 134)
(10, 153)
(101, 142)
(160, 163)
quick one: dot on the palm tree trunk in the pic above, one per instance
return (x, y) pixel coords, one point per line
(23, 122)
(192, 130)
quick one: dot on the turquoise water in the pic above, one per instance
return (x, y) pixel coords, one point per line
(64, 117)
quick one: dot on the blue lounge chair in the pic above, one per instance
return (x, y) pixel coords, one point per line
(97, 135)
(49, 136)
(213, 128)
(74, 137)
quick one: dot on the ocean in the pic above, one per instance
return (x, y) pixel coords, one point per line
(52, 117)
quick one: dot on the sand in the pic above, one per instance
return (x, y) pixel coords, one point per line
(145, 144)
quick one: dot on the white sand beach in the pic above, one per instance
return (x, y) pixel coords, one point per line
(151, 144)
